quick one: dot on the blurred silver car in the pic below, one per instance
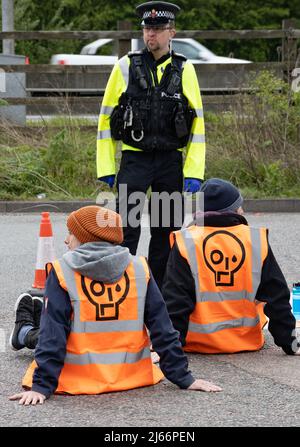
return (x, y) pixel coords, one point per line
(190, 48)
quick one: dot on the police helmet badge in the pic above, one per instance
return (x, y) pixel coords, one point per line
(157, 13)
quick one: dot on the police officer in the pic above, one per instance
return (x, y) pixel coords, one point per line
(152, 103)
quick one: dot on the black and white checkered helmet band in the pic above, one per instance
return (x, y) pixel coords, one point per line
(166, 14)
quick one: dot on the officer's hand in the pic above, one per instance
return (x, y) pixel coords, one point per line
(109, 179)
(192, 185)
(29, 398)
(204, 385)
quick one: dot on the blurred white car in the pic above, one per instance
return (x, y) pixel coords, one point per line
(190, 48)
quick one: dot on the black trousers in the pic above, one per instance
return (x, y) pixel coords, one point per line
(162, 171)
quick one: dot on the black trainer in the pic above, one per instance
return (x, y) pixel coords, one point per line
(24, 316)
(37, 310)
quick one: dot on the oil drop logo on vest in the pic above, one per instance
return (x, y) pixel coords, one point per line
(224, 267)
(106, 298)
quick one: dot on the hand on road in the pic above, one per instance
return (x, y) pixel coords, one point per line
(204, 385)
(296, 346)
(29, 398)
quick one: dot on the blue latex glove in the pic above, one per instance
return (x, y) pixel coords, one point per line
(109, 179)
(192, 185)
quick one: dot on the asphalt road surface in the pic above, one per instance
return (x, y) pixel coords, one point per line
(260, 389)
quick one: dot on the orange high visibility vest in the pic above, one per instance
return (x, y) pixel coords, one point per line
(108, 346)
(226, 265)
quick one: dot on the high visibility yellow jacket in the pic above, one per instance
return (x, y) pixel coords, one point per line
(117, 84)
(108, 346)
(226, 265)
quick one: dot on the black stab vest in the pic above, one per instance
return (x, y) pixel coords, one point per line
(152, 116)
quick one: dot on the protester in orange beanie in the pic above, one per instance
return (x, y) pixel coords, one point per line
(99, 300)
(93, 223)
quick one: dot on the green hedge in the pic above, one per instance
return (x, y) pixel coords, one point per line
(255, 145)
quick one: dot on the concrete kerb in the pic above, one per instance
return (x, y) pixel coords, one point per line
(38, 207)
(272, 205)
(250, 206)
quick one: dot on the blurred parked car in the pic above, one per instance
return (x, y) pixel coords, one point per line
(190, 48)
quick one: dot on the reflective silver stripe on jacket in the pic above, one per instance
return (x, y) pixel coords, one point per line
(229, 324)
(197, 138)
(114, 358)
(102, 134)
(106, 110)
(199, 113)
(256, 263)
(78, 326)
(124, 67)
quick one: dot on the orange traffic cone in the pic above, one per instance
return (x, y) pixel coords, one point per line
(45, 252)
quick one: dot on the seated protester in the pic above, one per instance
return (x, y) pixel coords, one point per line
(98, 301)
(222, 280)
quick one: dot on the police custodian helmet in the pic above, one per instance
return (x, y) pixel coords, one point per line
(157, 13)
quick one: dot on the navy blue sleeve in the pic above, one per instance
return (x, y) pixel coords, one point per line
(165, 339)
(179, 292)
(274, 291)
(54, 330)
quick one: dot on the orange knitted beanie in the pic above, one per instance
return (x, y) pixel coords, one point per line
(94, 223)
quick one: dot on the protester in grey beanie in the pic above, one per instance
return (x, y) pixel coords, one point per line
(221, 195)
(219, 272)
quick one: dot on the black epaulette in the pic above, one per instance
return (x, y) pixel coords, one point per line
(179, 56)
(135, 53)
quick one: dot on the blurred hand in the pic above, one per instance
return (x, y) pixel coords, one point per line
(109, 179)
(203, 385)
(29, 398)
(192, 185)
(155, 357)
(296, 345)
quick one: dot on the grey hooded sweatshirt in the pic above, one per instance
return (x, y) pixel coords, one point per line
(100, 261)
